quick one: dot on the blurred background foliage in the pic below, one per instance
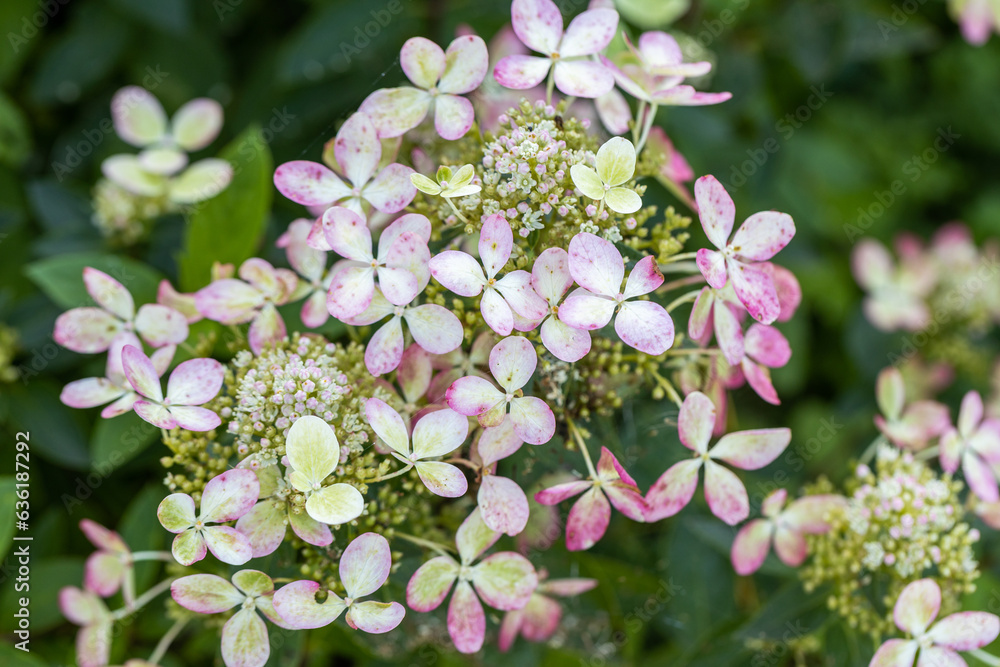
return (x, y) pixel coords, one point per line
(834, 100)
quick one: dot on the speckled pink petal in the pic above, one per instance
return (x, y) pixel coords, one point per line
(725, 493)
(729, 333)
(965, 631)
(297, 606)
(228, 301)
(229, 496)
(244, 640)
(762, 235)
(473, 395)
(712, 265)
(364, 565)
(895, 653)
(646, 326)
(309, 183)
(767, 346)
(538, 24)
(458, 272)
(228, 544)
(160, 325)
(563, 341)
(520, 72)
(790, 545)
(917, 606)
(751, 546)
(266, 329)
(496, 312)
(495, 243)
(453, 116)
(715, 209)
(347, 234)
(588, 520)
(695, 421)
(550, 275)
(141, 373)
(357, 149)
(351, 291)
(644, 278)
(466, 619)
(86, 330)
(264, 525)
(753, 449)
(430, 584)
(310, 530)
(195, 381)
(516, 289)
(532, 419)
(422, 61)
(560, 492)
(626, 499)
(467, 64)
(759, 379)
(980, 477)
(385, 348)
(589, 33)
(755, 290)
(503, 505)
(584, 310)
(205, 593)
(399, 286)
(194, 419)
(90, 392)
(512, 362)
(394, 111)
(583, 78)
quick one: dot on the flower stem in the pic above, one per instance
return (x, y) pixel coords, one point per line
(679, 257)
(872, 448)
(686, 298)
(455, 209)
(581, 443)
(465, 462)
(669, 388)
(681, 282)
(141, 601)
(399, 472)
(985, 657)
(167, 639)
(434, 546)
(639, 116)
(650, 116)
(928, 453)
(549, 84)
(153, 555)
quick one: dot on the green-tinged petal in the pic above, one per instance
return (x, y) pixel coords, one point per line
(313, 451)
(188, 547)
(505, 580)
(244, 640)
(205, 593)
(202, 180)
(296, 604)
(336, 504)
(424, 184)
(587, 181)
(375, 617)
(253, 582)
(462, 177)
(623, 200)
(430, 584)
(176, 512)
(474, 537)
(616, 161)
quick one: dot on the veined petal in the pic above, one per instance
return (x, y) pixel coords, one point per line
(86, 330)
(596, 264)
(435, 328)
(385, 348)
(646, 326)
(588, 520)
(229, 496)
(496, 312)
(495, 243)
(391, 190)
(351, 291)
(673, 490)
(466, 620)
(467, 62)
(497, 442)
(538, 24)
(503, 505)
(520, 72)
(938, 656)
(430, 584)
(188, 547)
(205, 593)
(438, 433)
(623, 200)
(453, 117)
(195, 381)
(375, 617)
(244, 640)
(589, 33)
(762, 235)
(615, 160)
(752, 450)
(755, 290)
(583, 78)
(336, 504)
(965, 630)
(109, 293)
(312, 449)
(695, 422)
(584, 310)
(716, 211)
(138, 116)
(474, 537)
(751, 546)
(442, 479)
(423, 62)
(895, 653)
(394, 111)
(725, 493)
(587, 181)
(808, 514)
(228, 301)
(458, 272)
(309, 183)
(176, 512)
(917, 606)
(472, 395)
(643, 279)
(389, 426)
(365, 564)
(399, 286)
(532, 419)
(228, 544)
(297, 606)
(357, 150)
(505, 581)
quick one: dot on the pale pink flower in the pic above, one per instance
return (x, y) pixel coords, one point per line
(907, 425)
(226, 497)
(614, 112)
(975, 445)
(167, 296)
(440, 78)
(765, 348)
(244, 636)
(721, 310)
(502, 502)
(598, 267)
(463, 275)
(310, 264)
(87, 610)
(114, 386)
(252, 299)
(364, 568)
(434, 435)
(539, 619)
(107, 569)
(433, 327)
(413, 375)
(896, 295)
(358, 152)
(512, 363)
(539, 25)
(916, 608)
(653, 72)
(785, 526)
(92, 329)
(193, 383)
(589, 518)
(757, 240)
(504, 581)
(725, 493)
(400, 264)
(551, 279)
(978, 19)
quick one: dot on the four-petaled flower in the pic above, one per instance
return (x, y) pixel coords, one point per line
(93, 639)
(364, 568)
(725, 493)
(512, 362)
(758, 239)
(313, 453)
(440, 78)
(589, 517)
(896, 295)
(108, 568)
(226, 497)
(787, 526)
(193, 383)
(598, 267)
(310, 264)
(975, 445)
(463, 275)
(916, 608)
(502, 503)
(358, 152)
(448, 184)
(435, 434)
(504, 581)
(92, 329)
(244, 636)
(615, 166)
(539, 25)
(551, 279)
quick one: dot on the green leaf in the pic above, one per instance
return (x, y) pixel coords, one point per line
(46, 578)
(61, 278)
(16, 143)
(20, 34)
(57, 207)
(142, 532)
(229, 227)
(118, 440)
(13, 657)
(55, 433)
(172, 15)
(7, 497)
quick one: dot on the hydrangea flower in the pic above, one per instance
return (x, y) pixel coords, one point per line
(313, 454)
(589, 518)
(975, 445)
(435, 434)
(358, 152)
(310, 264)
(400, 265)
(448, 184)
(551, 279)
(114, 386)
(720, 309)
(512, 362)
(896, 295)
(244, 636)
(192, 383)
(504, 581)
(107, 569)
(598, 267)
(786, 526)
(440, 78)
(364, 568)
(978, 19)
(725, 493)
(502, 502)
(414, 376)
(615, 167)
(462, 274)
(539, 25)
(758, 239)
(167, 296)
(653, 72)
(910, 426)
(916, 608)
(266, 522)
(433, 327)
(87, 610)
(539, 619)
(458, 363)
(765, 348)
(139, 120)
(226, 497)
(252, 299)
(92, 329)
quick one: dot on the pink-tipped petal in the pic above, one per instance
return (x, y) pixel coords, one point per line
(550, 275)
(160, 325)
(791, 546)
(375, 618)
(467, 64)
(538, 24)
(266, 329)
(109, 293)
(762, 235)
(310, 530)
(458, 272)
(585, 310)
(385, 348)
(394, 111)
(264, 526)
(391, 190)
(563, 341)
(966, 631)
(194, 419)
(673, 490)
(141, 373)
(596, 264)
(364, 565)
(755, 290)
(520, 72)
(86, 330)
(205, 593)
(560, 492)
(347, 234)
(351, 291)
(752, 450)
(495, 243)
(614, 111)
(442, 479)
(103, 573)
(695, 421)
(980, 477)
(532, 419)
(472, 395)
(512, 362)
(228, 544)
(423, 62)
(589, 33)
(767, 346)
(195, 381)
(751, 546)
(90, 392)
(388, 425)
(155, 414)
(503, 505)
(430, 584)
(725, 493)
(438, 433)
(715, 209)
(309, 183)
(644, 278)
(646, 326)
(588, 520)
(583, 78)
(712, 265)
(229, 496)
(466, 619)
(297, 606)
(357, 149)
(895, 653)
(917, 606)
(244, 640)
(435, 328)
(505, 580)
(453, 116)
